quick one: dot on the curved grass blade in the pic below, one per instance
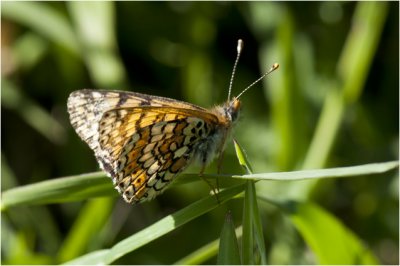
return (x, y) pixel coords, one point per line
(73, 188)
(81, 187)
(86, 228)
(331, 241)
(52, 25)
(160, 228)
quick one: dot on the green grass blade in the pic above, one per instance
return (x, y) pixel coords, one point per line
(63, 189)
(360, 47)
(242, 158)
(32, 113)
(29, 49)
(353, 68)
(86, 228)
(258, 229)
(359, 170)
(40, 17)
(93, 258)
(201, 255)
(330, 240)
(95, 184)
(247, 223)
(252, 225)
(228, 253)
(95, 26)
(247, 238)
(251, 209)
(162, 227)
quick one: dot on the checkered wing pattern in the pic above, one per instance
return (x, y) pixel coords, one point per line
(141, 141)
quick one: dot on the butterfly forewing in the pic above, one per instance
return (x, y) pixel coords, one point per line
(144, 141)
(141, 141)
(155, 154)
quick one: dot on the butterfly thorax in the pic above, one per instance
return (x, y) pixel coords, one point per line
(214, 144)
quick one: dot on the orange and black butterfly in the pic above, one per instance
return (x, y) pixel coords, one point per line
(143, 141)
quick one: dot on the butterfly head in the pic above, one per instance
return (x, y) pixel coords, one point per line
(233, 109)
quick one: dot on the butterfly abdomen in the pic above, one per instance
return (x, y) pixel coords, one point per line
(207, 147)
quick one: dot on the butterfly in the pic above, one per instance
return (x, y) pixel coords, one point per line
(143, 142)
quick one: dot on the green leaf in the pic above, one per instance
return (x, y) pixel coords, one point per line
(241, 155)
(258, 229)
(63, 189)
(330, 240)
(359, 170)
(228, 246)
(33, 113)
(45, 20)
(80, 187)
(93, 258)
(251, 217)
(248, 207)
(95, 26)
(200, 255)
(252, 228)
(158, 229)
(353, 69)
(206, 252)
(86, 228)
(247, 238)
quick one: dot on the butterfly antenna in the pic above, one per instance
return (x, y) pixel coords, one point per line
(239, 51)
(272, 69)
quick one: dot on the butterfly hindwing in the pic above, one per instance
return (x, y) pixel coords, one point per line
(154, 152)
(141, 141)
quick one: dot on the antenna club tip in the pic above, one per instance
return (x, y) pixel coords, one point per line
(240, 45)
(275, 66)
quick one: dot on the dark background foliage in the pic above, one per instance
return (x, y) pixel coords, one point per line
(186, 50)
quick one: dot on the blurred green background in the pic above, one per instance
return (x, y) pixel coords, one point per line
(333, 102)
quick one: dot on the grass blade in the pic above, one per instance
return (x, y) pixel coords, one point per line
(86, 228)
(258, 230)
(201, 255)
(160, 228)
(349, 171)
(81, 187)
(228, 245)
(242, 158)
(63, 189)
(52, 24)
(247, 238)
(330, 240)
(251, 215)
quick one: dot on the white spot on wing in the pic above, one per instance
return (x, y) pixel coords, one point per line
(180, 152)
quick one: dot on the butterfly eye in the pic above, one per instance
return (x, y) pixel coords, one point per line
(236, 104)
(233, 109)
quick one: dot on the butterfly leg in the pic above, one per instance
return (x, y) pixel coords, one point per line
(220, 160)
(219, 167)
(214, 190)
